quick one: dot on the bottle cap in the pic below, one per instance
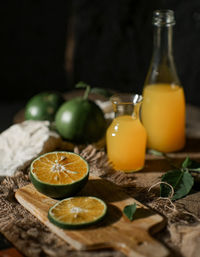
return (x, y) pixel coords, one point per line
(163, 18)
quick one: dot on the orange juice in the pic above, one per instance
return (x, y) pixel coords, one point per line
(126, 143)
(163, 116)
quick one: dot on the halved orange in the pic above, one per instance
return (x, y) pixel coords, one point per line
(59, 174)
(77, 212)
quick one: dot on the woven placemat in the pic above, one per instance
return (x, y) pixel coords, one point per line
(33, 239)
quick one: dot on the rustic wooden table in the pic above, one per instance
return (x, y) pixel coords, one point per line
(191, 202)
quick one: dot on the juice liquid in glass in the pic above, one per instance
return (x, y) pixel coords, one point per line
(163, 116)
(163, 110)
(126, 142)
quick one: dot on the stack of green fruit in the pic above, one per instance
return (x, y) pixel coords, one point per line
(79, 120)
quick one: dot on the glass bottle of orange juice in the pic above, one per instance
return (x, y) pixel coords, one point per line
(163, 109)
(126, 136)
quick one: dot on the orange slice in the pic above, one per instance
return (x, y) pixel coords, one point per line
(77, 212)
(59, 174)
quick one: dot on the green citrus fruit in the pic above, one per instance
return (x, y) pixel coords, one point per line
(80, 121)
(43, 106)
(59, 174)
(77, 212)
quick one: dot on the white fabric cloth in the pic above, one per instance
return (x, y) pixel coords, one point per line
(21, 143)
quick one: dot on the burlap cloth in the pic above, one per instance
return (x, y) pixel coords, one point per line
(181, 234)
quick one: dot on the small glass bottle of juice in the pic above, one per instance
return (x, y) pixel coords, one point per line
(163, 109)
(126, 136)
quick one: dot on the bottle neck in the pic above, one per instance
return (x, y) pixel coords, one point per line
(163, 43)
(123, 109)
(127, 105)
(162, 68)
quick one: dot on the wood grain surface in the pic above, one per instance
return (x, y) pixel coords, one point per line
(115, 231)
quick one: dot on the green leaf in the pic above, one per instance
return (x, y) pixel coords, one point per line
(95, 90)
(181, 181)
(155, 152)
(81, 84)
(190, 164)
(186, 163)
(101, 91)
(196, 170)
(130, 210)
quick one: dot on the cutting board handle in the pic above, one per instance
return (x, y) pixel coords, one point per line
(146, 248)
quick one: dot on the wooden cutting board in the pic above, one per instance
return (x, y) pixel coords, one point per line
(115, 231)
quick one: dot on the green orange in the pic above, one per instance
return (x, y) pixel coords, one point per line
(80, 121)
(43, 106)
(59, 174)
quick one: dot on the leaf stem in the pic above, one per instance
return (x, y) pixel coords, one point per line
(86, 93)
(87, 89)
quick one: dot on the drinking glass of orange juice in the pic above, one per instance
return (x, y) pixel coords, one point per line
(126, 137)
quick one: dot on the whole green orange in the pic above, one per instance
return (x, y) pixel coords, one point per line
(81, 121)
(43, 106)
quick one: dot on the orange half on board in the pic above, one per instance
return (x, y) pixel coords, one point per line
(59, 174)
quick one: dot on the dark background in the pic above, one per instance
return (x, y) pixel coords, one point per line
(51, 45)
